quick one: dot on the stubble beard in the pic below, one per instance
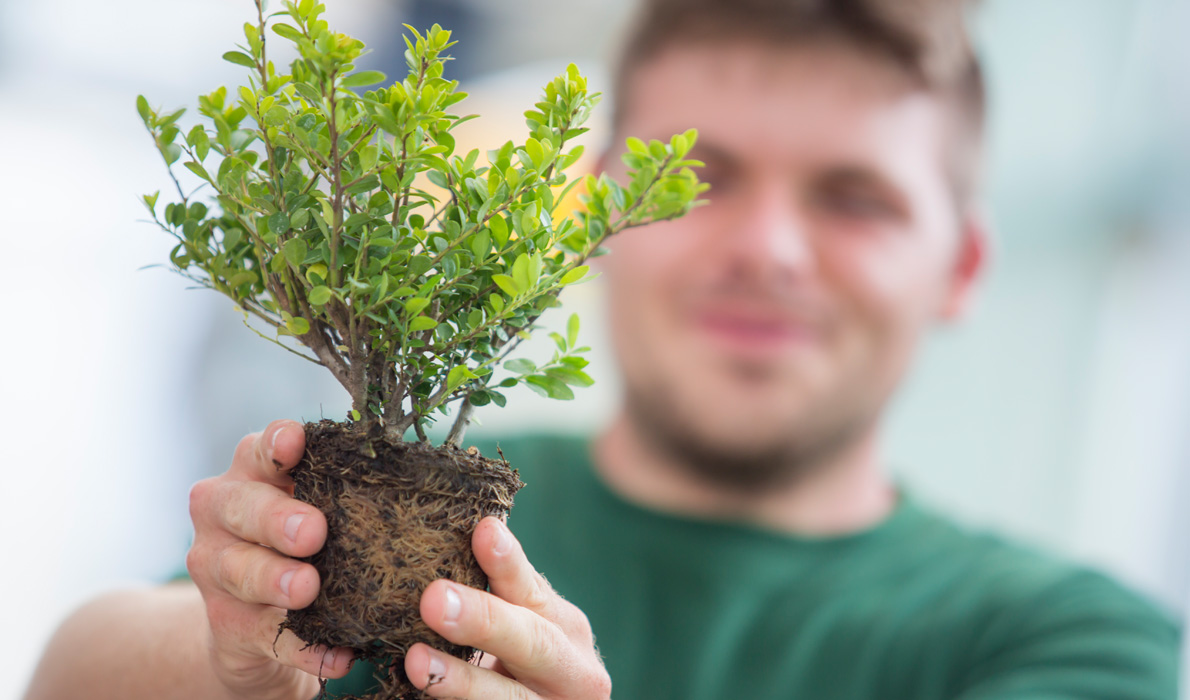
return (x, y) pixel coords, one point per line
(793, 453)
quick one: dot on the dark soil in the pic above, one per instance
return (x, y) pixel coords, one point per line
(399, 516)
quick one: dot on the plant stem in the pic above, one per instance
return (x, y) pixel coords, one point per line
(455, 437)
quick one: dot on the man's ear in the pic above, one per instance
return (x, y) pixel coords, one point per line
(970, 260)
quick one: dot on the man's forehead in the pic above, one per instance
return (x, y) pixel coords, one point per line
(762, 98)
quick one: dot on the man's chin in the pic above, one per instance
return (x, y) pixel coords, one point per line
(736, 453)
(731, 464)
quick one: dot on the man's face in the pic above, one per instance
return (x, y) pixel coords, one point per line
(768, 328)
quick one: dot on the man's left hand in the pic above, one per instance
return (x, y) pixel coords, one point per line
(540, 646)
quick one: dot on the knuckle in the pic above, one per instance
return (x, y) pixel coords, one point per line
(544, 646)
(485, 621)
(232, 573)
(539, 594)
(601, 684)
(195, 563)
(246, 448)
(576, 620)
(236, 511)
(200, 498)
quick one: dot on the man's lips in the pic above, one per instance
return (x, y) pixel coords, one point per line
(753, 332)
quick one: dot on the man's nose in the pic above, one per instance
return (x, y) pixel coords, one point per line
(772, 238)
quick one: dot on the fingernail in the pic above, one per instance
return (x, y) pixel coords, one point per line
(454, 605)
(292, 523)
(328, 658)
(437, 669)
(273, 444)
(503, 544)
(286, 578)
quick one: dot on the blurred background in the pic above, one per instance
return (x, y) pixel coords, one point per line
(1059, 413)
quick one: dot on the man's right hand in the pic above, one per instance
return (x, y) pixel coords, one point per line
(247, 526)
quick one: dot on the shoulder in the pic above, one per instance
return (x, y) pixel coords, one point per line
(1043, 624)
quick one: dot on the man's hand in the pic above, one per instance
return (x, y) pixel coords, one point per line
(543, 644)
(247, 525)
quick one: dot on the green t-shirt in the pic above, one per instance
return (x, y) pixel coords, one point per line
(915, 608)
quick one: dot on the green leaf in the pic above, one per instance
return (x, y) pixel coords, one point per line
(507, 284)
(533, 148)
(572, 330)
(279, 223)
(422, 323)
(287, 31)
(520, 366)
(142, 108)
(520, 273)
(549, 386)
(363, 77)
(240, 278)
(239, 58)
(319, 295)
(368, 156)
(316, 273)
(199, 140)
(575, 361)
(197, 170)
(355, 415)
(171, 118)
(298, 325)
(416, 305)
(419, 264)
(575, 275)
(573, 377)
(276, 116)
(295, 251)
(479, 398)
(499, 228)
(481, 244)
(571, 158)
(456, 377)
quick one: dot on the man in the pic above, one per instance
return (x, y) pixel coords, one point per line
(732, 534)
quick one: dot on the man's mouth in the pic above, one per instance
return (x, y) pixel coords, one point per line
(753, 333)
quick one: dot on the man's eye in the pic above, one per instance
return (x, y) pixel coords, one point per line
(719, 180)
(856, 204)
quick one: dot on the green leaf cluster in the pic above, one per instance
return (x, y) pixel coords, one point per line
(348, 221)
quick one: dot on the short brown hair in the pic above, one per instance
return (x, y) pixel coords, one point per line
(926, 39)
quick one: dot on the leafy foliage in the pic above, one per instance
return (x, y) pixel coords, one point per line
(349, 222)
